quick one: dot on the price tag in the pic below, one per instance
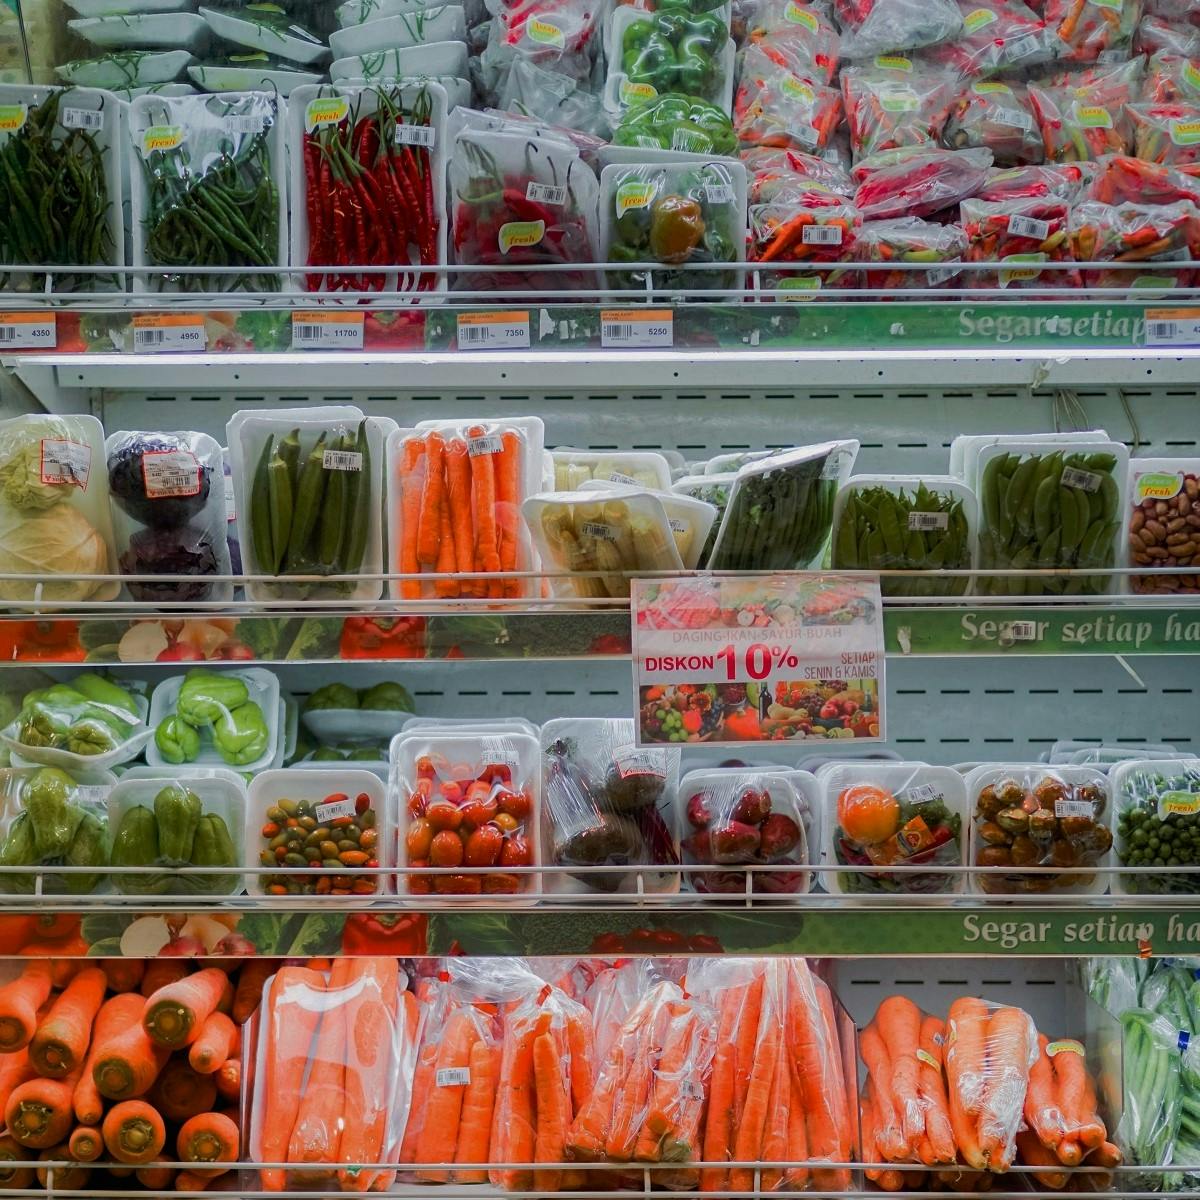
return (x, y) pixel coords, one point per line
(546, 193)
(453, 1076)
(170, 473)
(1020, 631)
(794, 657)
(493, 331)
(157, 333)
(92, 793)
(327, 330)
(342, 460)
(1073, 808)
(415, 135)
(1084, 481)
(1029, 227)
(28, 331)
(1173, 327)
(637, 328)
(248, 123)
(65, 461)
(822, 235)
(925, 521)
(332, 809)
(629, 760)
(1022, 48)
(82, 118)
(484, 443)
(230, 501)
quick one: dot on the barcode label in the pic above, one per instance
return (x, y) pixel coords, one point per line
(327, 330)
(170, 473)
(928, 520)
(28, 331)
(496, 752)
(633, 328)
(923, 793)
(1083, 481)
(941, 275)
(691, 1089)
(230, 502)
(718, 193)
(250, 123)
(1029, 227)
(676, 525)
(806, 134)
(485, 443)
(415, 135)
(81, 118)
(1073, 808)
(1173, 327)
(822, 235)
(631, 761)
(1015, 118)
(1021, 631)
(331, 810)
(156, 334)
(91, 793)
(342, 460)
(595, 529)
(488, 331)
(453, 1076)
(546, 193)
(619, 477)
(1022, 48)
(64, 461)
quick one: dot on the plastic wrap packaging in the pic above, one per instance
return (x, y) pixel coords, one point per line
(1058, 182)
(456, 489)
(736, 818)
(917, 183)
(714, 490)
(1167, 133)
(334, 1069)
(55, 524)
(786, 235)
(1028, 815)
(1151, 239)
(893, 814)
(679, 215)
(1022, 232)
(168, 504)
(638, 468)
(45, 130)
(471, 800)
(998, 35)
(1082, 123)
(520, 198)
(1086, 32)
(871, 27)
(1157, 804)
(1171, 78)
(309, 484)
(893, 104)
(1152, 1060)
(776, 107)
(51, 818)
(995, 117)
(562, 36)
(780, 509)
(911, 240)
(690, 521)
(1120, 179)
(1163, 492)
(554, 99)
(677, 122)
(1156, 35)
(792, 177)
(606, 803)
(798, 36)
(191, 153)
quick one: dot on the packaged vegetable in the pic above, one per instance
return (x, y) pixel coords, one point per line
(1170, 77)
(471, 801)
(690, 521)
(1119, 179)
(789, 235)
(639, 468)
(1149, 238)
(1030, 815)
(549, 98)
(779, 108)
(1081, 123)
(907, 523)
(893, 104)
(208, 190)
(735, 818)
(54, 513)
(911, 240)
(606, 803)
(562, 37)
(916, 183)
(780, 510)
(58, 154)
(1167, 133)
(799, 37)
(1157, 803)
(1162, 493)
(677, 122)
(1021, 232)
(679, 215)
(311, 481)
(785, 176)
(1086, 31)
(457, 489)
(882, 815)
(368, 183)
(169, 512)
(996, 117)
(126, 69)
(520, 199)
(871, 27)
(1155, 35)
(1056, 182)
(998, 35)
(51, 818)
(603, 536)
(714, 490)
(1151, 1120)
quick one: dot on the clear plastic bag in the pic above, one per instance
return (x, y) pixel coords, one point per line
(1157, 801)
(799, 36)
(1150, 1121)
(607, 803)
(998, 35)
(892, 104)
(774, 106)
(1059, 182)
(872, 27)
(562, 36)
(677, 122)
(1020, 232)
(554, 99)
(714, 490)
(1161, 491)
(1167, 133)
(638, 468)
(916, 183)
(792, 177)
(1119, 179)
(1170, 77)
(169, 512)
(1155, 35)
(996, 117)
(1086, 32)
(1154, 237)
(1082, 123)
(911, 240)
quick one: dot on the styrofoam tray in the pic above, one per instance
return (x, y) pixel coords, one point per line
(67, 760)
(434, 58)
(148, 31)
(245, 32)
(447, 23)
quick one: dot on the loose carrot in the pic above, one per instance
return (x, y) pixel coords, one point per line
(123, 974)
(175, 1014)
(966, 1075)
(429, 529)
(868, 1123)
(553, 1112)
(179, 1092)
(1042, 1112)
(247, 996)
(1106, 1155)
(217, 1041)
(85, 1143)
(65, 956)
(1011, 1044)
(60, 1043)
(133, 1132)
(410, 516)
(899, 1022)
(38, 1113)
(191, 1181)
(483, 494)
(444, 586)
(15, 1069)
(228, 1078)
(12, 1178)
(932, 1086)
(718, 1125)
(127, 1064)
(508, 512)
(458, 503)
(225, 1002)
(64, 1179)
(155, 1176)
(752, 1124)
(162, 971)
(1034, 1154)
(209, 1138)
(775, 1137)
(19, 1004)
(439, 1135)
(116, 1014)
(479, 1101)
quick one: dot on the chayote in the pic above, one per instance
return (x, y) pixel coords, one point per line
(176, 740)
(206, 697)
(242, 735)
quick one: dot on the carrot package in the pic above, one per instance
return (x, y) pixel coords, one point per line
(456, 490)
(892, 103)
(995, 117)
(904, 240)
(872, 27)
(334, 1058)
(775, 106)
(916, 183)
(788, 236)
(1148, 239)
(1086, 30)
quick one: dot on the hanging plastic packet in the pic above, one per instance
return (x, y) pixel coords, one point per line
(788, 235)
(1082, 123)
(995, 117)
(562, 36)
(1170, 78)
(792, 177)
(799, 36)
(1086, 30)
(1150, 1120)
(893, 104)
(775, 107)
(1120, 179)
(1060, 182)
(917, 183)
(907, 240)
(872, 27)
(546, 96)
(1151, 239)
(998, 35)
(1168, 134)
(1156, 35)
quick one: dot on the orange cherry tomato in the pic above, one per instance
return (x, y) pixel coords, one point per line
(446, 849)
(444, 816)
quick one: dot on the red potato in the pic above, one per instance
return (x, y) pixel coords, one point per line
(753, 807)
(735, 843)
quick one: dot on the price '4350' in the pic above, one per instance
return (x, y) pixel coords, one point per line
(757, 660)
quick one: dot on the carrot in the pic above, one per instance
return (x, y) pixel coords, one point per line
(483, 494)
(841, 1105)
(439, 1135)
(410, 516)
(889, 1136)
(127, 1064)
(422, 1089)
(479, 1101)
(133, 1132)
(1042, 1112)
(795, 1179)
(217, 1041)
(1076, 1095)
(679, 1046)
(638, 1049)
(289, 1027)
(745, 1045)
(65, 957)
(966, 1075)
(192, 1181)
(899, 1022)
(154, 1175)
(123, 974)
(179, 1092)
(588, 1131)
(19, 1004)
(868, 1123)
(718, 1125)
(15, 1069)
(1106, 1155)
(225, 1003)
(60, 1043)
(85, 1143)
(1010, 1040)
(116, 1013)
(932, 1087)
(775, 1137)
(248, 994)
(176, 1013)
(458, 503)
(209, 1138)
(162, 971)
(752, 1123)
(370, 1072)
(228, 1078)
(1034, 1154)
(12, 1178)
(508, 513)
(429, 528)
(444, 586)
(515, 1099)
(64, 1178)
(553, 1112)
(38, 1113)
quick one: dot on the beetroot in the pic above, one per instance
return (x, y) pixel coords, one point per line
(735, 843)
(697, 811)
(753, 806)
(776, 882)
(780, 836)
(699, 845)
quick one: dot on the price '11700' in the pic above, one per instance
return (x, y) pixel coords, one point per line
(757, 660)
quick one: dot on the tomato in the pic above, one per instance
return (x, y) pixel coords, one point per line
(444, 816)
(478, 813)
(484, 846)
(446, 850)
(417, 805)
(458, 885)
(507, 822)
(418, 839)
(518, 804)
(501, 884)
(516, 852)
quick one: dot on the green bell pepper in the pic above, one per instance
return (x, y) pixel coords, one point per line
(213, 847)
(89, 848)
(176, 740)
(206, 697)
(636, 35)
(242, 735)
(654, 63)
(136, 845)
(177, 811)
(48, 799)
(697, 71)
(326, 754)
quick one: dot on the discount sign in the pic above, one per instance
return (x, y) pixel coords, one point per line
(776, 658)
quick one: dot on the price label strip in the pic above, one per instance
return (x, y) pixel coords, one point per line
(330, 330)
(1173, 327)
(158, 333)
(493, 331)
(28, 331)
(637, 328)
(796, 657)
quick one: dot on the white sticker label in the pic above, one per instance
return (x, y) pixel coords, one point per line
(637, 328)
(64, 461)
(342, 460)
(629, 760)
(718, 193)
(493, 331)
(619, 477)
(1017, 119)
(248, 123)
(170, 473)
(822, 235)
(1020, 631)
(453, 1076)
(332, 809)
(28, 331)
(415, 135)
(1029, 227)
(546, 193)
(494, 752)
(597, 530)
(1022, 48)
(923, 793)
(230, 501)
(691, 1089)
(327, 331)
(485, 443)
(1073, 808)
(677, 526)
(941, 275)
(918, 521)
(1173, 327)
(81, 118)
(153, 335)
(92, 793)
(1083, 481)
